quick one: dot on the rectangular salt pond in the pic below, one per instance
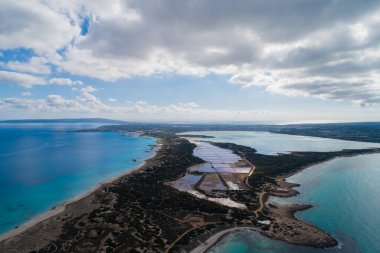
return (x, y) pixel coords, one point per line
(203, 167)
(242, 169)
(186, 182)
(212, 182)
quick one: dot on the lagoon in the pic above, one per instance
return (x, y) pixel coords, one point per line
(271, 143)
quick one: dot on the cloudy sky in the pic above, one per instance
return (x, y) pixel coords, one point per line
(198, 60)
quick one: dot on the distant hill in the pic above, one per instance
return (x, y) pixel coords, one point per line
(361, 131)
(82, 120)
(357, 131)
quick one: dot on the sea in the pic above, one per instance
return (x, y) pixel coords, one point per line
(345, 193)
(43, 165)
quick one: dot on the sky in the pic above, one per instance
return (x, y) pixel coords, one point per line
(191, 61)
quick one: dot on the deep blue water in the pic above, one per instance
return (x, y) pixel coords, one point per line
(345, 192)
(42, 166)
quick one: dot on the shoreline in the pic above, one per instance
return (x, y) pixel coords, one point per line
(219, 236)
(283, 183)
(291, 209)
(60, 208)
(101, 216)
(291, 134)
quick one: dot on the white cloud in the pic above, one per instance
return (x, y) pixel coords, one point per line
(28, 81)
(33, 24)
(86, 104)
(112, 99)
(27, 94)
(254, 79)
(64, 81)
(288, 47)
(88, 89)
(25, 80)
(235, 39)
(363, 91)
(36, 65)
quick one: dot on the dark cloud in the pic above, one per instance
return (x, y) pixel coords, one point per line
(361, 93)
(274, 20)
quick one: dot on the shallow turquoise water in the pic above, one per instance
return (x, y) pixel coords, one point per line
(253, 242)
(41, 166)
(344, 191)
(346, 196)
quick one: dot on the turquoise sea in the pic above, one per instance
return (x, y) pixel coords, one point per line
(41, 165)
(345, 193)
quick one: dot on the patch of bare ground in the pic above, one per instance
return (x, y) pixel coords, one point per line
(284, 226)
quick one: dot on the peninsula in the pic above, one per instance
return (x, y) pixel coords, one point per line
(144, 211)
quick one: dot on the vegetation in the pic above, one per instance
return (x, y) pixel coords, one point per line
(140, 211)
(367, 132)
(271, 166)
(197, 136)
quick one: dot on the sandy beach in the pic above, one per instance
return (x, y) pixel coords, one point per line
(283, 214)
(214, 239)
(60, 208)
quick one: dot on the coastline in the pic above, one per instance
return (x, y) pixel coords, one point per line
(116, 211)
(279, 222)
(283, 183)
(60, 208)
(290, 210)
(91, 221)
(219, 236)
(286, 211)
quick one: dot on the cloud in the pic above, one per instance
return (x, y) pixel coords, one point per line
(24, 80)
(86, 104)
(287, 47)
(363, 91)
(254, 79)
(35, 65)
(33, 24)
(28, 81)
(112, 99)
(27, 94)
(258, 44)
(366, 93)
(64, 81)
(83, 103)
(88, 89)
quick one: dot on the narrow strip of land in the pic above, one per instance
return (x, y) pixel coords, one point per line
(143, 211)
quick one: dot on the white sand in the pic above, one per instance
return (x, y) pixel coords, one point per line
(210, 242)
(223, 201)
(232, 185)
